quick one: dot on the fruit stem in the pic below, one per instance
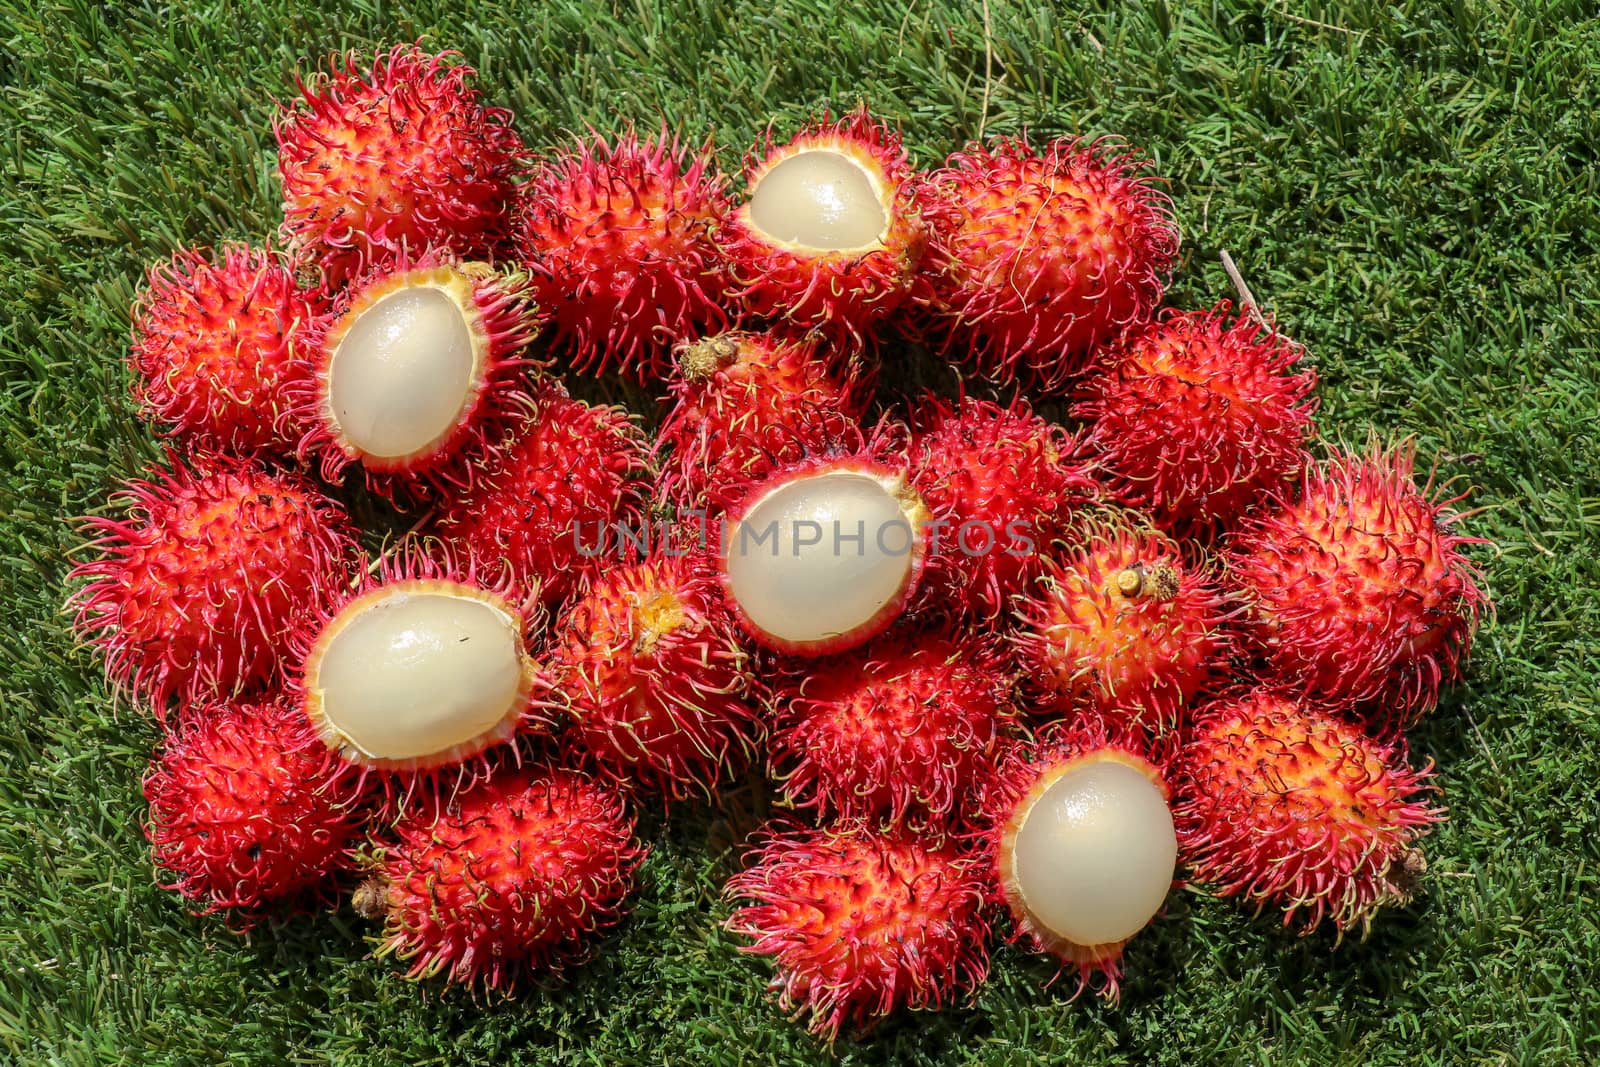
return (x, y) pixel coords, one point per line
(1247, 300)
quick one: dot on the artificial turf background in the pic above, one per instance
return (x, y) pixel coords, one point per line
(1412, 190)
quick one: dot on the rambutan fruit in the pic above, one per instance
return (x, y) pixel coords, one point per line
(241, 812)
(420, 667)
(824, 554)
(830, 236)
(195, 592)
(1010, 483)
(1082, 847)
(1124, 625)
(1038, 256)
(418, 368)
(216, 341)
(1286, 806)
(659, 691)
(616, 238)
(398, 156)
(1197, 419)
(748, 403)
(895, 732)
(511, 878)
(546, 503)
(1359, 591)
(861, 924)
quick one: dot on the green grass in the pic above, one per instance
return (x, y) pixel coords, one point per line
(1411, 188)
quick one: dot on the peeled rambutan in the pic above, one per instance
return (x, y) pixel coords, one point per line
(1359, 592)
(194, 593)
(824, 554)
(861, 924)
(216, 341)
(1197, 419)
(659, 691)
(1124, 625)
(830, 236)
(1285, 806)
(419, 366)
(895, 732)
(1009, 483)
(399, 156)
(617, 241)
(421, 666)
(544, 506)
(746, 404)
(241, 812)
(1081, 845)
(513, 877)
(1038, 256)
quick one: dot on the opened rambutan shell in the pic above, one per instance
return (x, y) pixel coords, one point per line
(1197, 419)
(242, 813)
(420, 668)
(1009, 484)
(1359, 592)
(1122, 624)
(616, 238)
(861, 924)
(216, 342)
(548, 503)
(655, 680)
(196, 592)
(895, 733)
(419, 368)
(746, 404)
(830, 236)
(1288, 807)
(824, 554)
(397, 156)
(1081, 846)
(511, 878)
(1039, 255)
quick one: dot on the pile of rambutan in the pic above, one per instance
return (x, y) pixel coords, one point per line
(1013, 662)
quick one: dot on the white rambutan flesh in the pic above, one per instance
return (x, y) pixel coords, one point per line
(822, 200)
(822, 561)
(403, 373)
(418, 671)
(1090, 857)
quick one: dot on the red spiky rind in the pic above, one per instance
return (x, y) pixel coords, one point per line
(1037, 256)
(656, 683)
(1025, 768)
(420, 567)
(784, 450)
(1285, 806)
(217, 337)
(547, 501)
(616, 238)
(747, 403)
(1139, 656)
(861, 924)
(880, 455)
(195, 592)
(849, 293)
(393, 156)
(509, 880)
(241, 814)
(1010, 483)
(501, 320)
(1198, 419)
(1359, 592)
(895, 733)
